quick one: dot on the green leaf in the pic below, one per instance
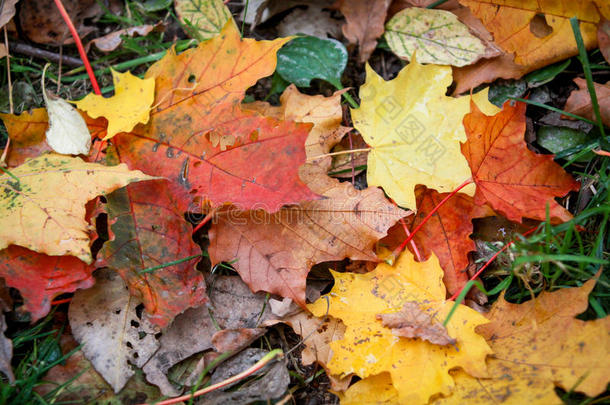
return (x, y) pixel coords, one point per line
(546, 74)
(156, 5)
(503, 90)
(307, 58)
(558, 139)
(436, 35)
(204, 19)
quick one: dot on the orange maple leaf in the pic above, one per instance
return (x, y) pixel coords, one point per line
(511, 178)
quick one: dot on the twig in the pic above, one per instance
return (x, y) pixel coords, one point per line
(37, 53)
(8, 74)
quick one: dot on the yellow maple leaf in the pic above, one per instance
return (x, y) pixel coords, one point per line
(129, 106)
(539, 32)
(42, 202)
(537, 346)
(415, 131)
(418, 368)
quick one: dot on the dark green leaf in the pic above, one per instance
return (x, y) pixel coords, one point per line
(558, 139)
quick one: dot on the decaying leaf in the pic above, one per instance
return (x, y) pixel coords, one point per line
(414, 322)
(364, 23)
(110, 42)
(199, 138)
(274, 252)
(232, 306)
(43, 202)
(579, 102)
(129, 106)
(437, 36)
(418, 369)
(104, 320)
(603, 38)
(538, 33)
(512, 179)
(202, 19)
(7, 11)
(486, 71)
(67, 132)
(312, 21)
(414, 131)
(40, 278)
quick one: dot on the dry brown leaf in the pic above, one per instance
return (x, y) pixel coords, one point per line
(579, 102)
(110, 42)
(7, 11)
(603, 38)
(365, 23)
(274, 252)
(312, 21)
(486, 71)
(413, 321)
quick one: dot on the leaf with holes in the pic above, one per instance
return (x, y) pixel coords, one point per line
(42, 206)
(105, 321)
(512, 179)
(200, 139)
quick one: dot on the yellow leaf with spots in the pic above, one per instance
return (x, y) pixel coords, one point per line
(415, 131)
(418, 369)
(538, 346)
(129, 106)
(42, 202)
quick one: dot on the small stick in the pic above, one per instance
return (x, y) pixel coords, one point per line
(33, 52)
(259, 365)
(8, 69)
(600, 152)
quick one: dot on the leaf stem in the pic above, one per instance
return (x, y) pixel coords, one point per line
(79, 45)
(206, 219)
(400, 248)
(9, 173)
(266, 359)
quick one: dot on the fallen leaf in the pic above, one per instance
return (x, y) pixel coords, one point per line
(437, 36)
(27, 133)
(342, 164)
(376, 389)
(486, 71)
(538, 34)
(517, 184)
(200, 139)
(364, 24)
(43, 203)
(40, 278)
(311, 21)
(414, 322)
(202, 19)
(232, 306)
(84, 384)
(6, 345)
(603, 38)
(414, 131)
(67, 132)
(275, 252)
(112, 41)
(7, 11)
(579, 102)
(129, 106)
(446, 233)
(418, 369)
(270, 382)
(104, 320)
(147, 229)
(539, 345)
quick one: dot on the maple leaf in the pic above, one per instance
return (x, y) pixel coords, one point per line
(42, 207)
(418, 369)
(147, 229)
(274, 252)
(414, 131)
(537, 33)
(40, 278)
(27, 133)
(104, 320)
(129, 106)
(446, 233)
(579, 102)
(364, 24)
(511, 178)
(200, 139)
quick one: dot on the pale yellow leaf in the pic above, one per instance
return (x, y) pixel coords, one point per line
(415, 131)
(67, 133)
(129, 106)
(437, 36)
(42, 202)
(203, 19)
